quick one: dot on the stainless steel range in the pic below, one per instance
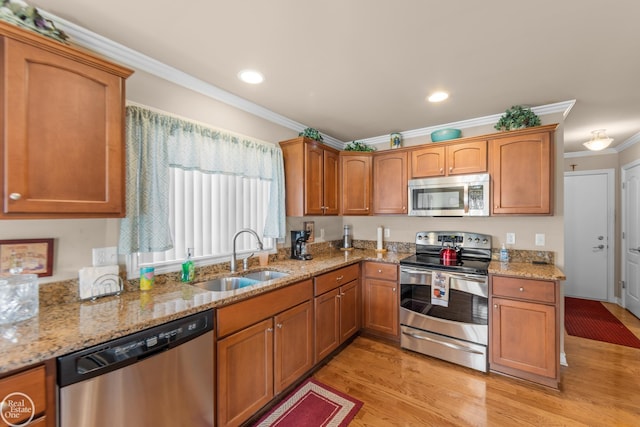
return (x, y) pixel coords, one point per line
(444, 297)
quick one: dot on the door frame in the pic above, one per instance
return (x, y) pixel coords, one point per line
(611, 242)
(623, 224)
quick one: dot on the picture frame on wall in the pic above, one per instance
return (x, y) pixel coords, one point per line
(26, 256)
(310, 226)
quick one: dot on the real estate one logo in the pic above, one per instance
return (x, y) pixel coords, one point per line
(15, 407)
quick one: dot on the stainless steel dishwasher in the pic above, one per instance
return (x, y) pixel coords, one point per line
(162, 376)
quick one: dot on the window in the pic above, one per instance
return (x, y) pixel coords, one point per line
(195, 187)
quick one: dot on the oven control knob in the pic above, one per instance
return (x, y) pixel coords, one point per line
(477, 239)
(485, 241)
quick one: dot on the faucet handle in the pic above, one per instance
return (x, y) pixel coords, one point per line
(245, 262)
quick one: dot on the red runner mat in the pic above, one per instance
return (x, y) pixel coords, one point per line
(590, 319)
(312, 405)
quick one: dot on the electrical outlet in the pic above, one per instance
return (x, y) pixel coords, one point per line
(105, 256)
(511, 238)
(539, 239)
(322, 233)
(387, 232)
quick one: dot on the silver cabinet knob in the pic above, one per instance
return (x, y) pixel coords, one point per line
(279, 325)
(521, 289)
(15, 196)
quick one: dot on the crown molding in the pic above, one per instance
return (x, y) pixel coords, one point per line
(563, 107)
(628, 143)
(134, 59)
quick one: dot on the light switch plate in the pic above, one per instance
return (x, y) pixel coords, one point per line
(105, 256)
(539, 239)
(511, 238)
(387, 232)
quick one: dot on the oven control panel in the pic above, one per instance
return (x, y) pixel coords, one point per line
(456, 238)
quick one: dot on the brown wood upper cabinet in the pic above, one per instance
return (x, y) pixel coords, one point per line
(62, 153)
(449, 159)
(312, 177)
(356, 178)
(390, 178)
(521, 169)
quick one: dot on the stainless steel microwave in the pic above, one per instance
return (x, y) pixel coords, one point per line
(460, 195)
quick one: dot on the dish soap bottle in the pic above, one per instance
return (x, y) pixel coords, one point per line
(188, 269)
(504, 254)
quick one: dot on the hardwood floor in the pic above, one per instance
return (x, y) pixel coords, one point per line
(600, 387)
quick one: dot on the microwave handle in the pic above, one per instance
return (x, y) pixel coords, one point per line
(466, 198)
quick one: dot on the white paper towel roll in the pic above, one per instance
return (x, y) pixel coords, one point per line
(379, 239)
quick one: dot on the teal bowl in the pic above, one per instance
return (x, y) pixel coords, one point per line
(445, 134)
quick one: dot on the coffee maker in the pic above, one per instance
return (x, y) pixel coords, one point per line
(299, 244)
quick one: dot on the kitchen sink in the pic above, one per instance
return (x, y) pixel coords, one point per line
(265, 275)
(222, 284)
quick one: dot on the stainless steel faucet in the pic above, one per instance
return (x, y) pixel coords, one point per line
(233, 255)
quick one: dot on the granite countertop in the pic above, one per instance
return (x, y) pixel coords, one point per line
(64, 327)
(527, 270)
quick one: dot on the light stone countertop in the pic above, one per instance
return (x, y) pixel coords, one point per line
(527, 270)
(65, 327)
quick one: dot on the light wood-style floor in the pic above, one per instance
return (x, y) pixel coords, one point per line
(600, 387)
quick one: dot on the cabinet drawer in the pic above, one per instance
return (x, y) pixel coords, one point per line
(529, 289)
(381, 270)
(245, 313)
(31, 383)
(326, 282)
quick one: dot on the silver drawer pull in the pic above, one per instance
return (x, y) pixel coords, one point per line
(446, 344)
(339, 278)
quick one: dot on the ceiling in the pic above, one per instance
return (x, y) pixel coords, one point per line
(356, 69)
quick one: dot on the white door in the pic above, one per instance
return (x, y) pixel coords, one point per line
(588, 228)
(631, 237)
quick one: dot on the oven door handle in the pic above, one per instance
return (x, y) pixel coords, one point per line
(446, 344)
(421, 272)
(466, 198)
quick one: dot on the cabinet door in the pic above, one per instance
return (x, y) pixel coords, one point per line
(313, 179)
(245, 373)
(63, 136)
(470, 157)
(390, 183)
(381, 307)
(521, 169)
(349, 310)
(327, 323)
(523, 337)
(355, 179)
(331, 189)
(427, 162)
(30, 383)
(293, 346)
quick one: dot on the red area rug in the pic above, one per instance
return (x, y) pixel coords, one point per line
(312, 405)
(590, 319)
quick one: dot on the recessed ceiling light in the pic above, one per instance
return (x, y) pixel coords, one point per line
(438, 96)
(251, 76)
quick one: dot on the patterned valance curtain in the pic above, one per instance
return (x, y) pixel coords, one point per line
(155, 142)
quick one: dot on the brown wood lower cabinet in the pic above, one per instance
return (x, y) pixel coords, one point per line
(381, 304)
(337, 309)
(524, 329)
(38, 384)
(256, 361)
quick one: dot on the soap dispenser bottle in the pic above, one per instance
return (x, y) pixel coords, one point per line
(188, 269)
